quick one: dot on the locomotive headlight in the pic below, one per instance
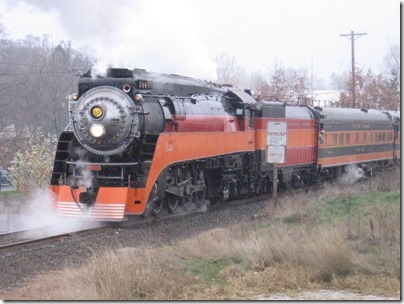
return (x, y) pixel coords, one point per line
(97, 130)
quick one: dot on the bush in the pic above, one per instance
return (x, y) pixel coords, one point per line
(32, 167)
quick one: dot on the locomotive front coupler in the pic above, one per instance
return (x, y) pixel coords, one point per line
(89, 196)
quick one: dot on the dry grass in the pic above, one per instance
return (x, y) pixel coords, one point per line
(339, 238)
(128, 275)
(120, 275)
(321, 248)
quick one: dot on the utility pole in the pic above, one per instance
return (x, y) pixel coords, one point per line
(352, 37)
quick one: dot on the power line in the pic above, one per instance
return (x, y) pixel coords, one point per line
(352, 37)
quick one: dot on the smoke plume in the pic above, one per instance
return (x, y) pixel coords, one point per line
(158, 35)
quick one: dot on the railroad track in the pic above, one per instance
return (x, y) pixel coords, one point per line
(22, 237)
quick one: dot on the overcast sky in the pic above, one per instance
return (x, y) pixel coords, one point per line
(185, 36)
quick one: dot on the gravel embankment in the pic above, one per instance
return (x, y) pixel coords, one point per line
(21, 264)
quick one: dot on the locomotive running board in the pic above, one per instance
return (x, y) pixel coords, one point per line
(99, 212)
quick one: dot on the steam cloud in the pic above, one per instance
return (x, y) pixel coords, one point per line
(86, 176)
(40, 213)
(351, 175)
(158, 35)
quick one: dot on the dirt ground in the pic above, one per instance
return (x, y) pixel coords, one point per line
(326, 295)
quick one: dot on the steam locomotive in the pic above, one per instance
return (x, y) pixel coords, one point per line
(139, 142)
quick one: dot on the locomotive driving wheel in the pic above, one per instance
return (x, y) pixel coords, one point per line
(172, 200)
(186, 180)
(199, 196)
(154, 204)
(157, 206)
(172, 203)
(187, 201)
(178, 178)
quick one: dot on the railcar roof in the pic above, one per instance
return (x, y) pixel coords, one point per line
(348, 114)
(298, 112)
(395, 114)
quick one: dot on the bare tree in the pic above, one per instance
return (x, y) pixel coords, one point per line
(42, 76)
(259, 85)
(289, 85)
(228, 71)
(278, 83)
(298, 83)
(36, 75)
(392, 63)
(372, 91)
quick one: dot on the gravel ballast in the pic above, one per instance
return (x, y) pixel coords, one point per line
(23, 263)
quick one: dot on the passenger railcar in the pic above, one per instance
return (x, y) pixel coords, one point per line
(355, 136)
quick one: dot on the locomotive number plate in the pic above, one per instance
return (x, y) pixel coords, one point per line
(143, 85)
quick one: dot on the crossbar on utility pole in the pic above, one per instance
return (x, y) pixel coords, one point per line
(352, 37)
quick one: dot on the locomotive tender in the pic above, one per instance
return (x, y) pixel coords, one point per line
(138, 142)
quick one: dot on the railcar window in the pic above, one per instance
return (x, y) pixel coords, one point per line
(369, 137)
(384, 136)
(347, 138)
(334, 139)
(364, 138)
(341, 139)
(357, 138)
(250, 118)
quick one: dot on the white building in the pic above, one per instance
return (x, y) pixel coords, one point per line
(325, 98)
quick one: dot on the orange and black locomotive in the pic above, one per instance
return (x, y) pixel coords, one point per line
(140, 142)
